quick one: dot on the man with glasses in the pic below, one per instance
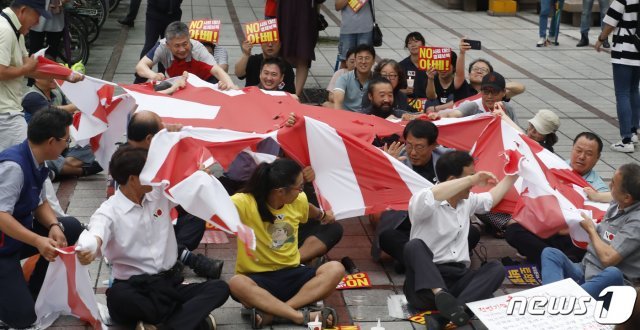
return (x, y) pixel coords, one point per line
(477, 70)
(350, 88)
(420, 152)
(493, 91)
(23, 200)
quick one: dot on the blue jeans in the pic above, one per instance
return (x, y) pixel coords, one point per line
(546, 7)
(585, 20)
(626, 79)
(348, 41)
(556, 266)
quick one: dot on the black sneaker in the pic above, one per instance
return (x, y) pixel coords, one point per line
(206, 267)
(126, 22)
(91, 169)
(450, 309)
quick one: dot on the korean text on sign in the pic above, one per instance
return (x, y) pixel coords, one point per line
(205, 30)
(438, 58)
(261, 32)
(356, 5)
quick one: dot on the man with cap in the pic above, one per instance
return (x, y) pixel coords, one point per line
(15, 64)
(493, 91)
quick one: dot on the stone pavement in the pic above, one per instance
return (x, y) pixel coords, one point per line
(574, 82)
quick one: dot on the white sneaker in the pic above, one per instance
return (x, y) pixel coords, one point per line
(634, 138)
(542, 42)
(623, 147)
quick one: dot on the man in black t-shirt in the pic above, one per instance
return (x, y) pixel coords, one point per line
(248, 66)
(413, 42)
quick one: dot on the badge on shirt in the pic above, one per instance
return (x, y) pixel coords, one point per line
(281, 85)
(411, 73)
(157, 213)
(608, 236)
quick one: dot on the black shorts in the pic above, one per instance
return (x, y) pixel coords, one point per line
(284, 283)
(329, 234)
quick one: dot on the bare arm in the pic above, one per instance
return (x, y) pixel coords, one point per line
(340, 4)
(70, 108)
(338, 99)
(450, 188)
(431, 84)
(224, 81)
(12, 72)
(241, 65)
(498, 192)
(514, 88)
(143, 69)
(460, 65)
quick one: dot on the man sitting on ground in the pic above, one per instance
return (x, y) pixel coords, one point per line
(189, 230)
(613, 253)
(437, 256)
(249, 66)
(22, 200)
(584, 156)
(421, 153)
(178, 53)
(350, 88)
(493, 91)
(380, 93)
(133, 230)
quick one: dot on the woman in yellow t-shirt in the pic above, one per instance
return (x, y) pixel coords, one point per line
(272, 281)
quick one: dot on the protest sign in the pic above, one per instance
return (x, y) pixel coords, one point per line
(418, 103)
(438, 58)
(354, 281)
(356, 5)
(261, 32)
(205, 30)
(524, 275)
(497, 313)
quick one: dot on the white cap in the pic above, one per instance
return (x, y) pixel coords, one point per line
(545, 122)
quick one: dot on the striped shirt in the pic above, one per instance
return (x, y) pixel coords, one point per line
(623, 15)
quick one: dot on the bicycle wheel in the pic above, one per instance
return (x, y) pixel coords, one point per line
(78, 45)
(93, 30)
(113, 5)
(94, 8)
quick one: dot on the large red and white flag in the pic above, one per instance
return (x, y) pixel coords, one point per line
(548, 196)
(67, 290)
(93, 97)
(49, 67)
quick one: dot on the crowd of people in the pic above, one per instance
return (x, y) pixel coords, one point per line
(280, 281)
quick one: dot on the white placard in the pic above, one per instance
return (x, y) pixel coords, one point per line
(493, 312)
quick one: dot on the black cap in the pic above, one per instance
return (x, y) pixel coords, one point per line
(38, 5)
(493, 80)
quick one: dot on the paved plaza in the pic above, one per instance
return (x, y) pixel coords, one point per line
(574, 82)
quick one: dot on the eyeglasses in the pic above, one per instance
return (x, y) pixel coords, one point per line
(416, 147)
(479, 69)
(67, 140)
(364, 58)
(389, 76)
(490, 91)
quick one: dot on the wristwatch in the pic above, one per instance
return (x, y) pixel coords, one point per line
(60, 225)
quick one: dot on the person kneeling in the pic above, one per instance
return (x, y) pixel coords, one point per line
(437, 256)
(272, 281)
(133, 230)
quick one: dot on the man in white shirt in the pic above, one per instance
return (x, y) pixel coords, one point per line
(133, 230)
(437, 256)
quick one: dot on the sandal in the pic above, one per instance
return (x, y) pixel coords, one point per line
(254, 319)
(325, 312)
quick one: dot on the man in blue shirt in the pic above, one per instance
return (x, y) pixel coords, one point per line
(350, 87)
